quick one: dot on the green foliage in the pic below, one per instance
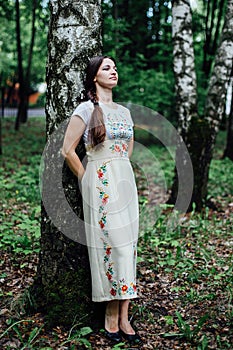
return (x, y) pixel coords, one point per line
(20, 195)
(27, 343)
(194, 252)
(147, 88)
(191, 256)
(8, 48)
(138, 36)
(185, 329)
(142, 46)
(78, 337)
(29, 335)
(118, 346)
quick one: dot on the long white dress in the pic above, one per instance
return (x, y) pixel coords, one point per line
(110, 204)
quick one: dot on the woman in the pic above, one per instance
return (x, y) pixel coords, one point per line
(109, 194)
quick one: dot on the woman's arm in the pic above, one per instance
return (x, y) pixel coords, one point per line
(74, 132)
(130, 148)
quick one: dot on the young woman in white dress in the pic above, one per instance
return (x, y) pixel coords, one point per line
(109, 192)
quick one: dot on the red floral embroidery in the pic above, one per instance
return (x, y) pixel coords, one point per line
(121, 148)
(109, 275)
(101, 223)
(108, 251)
(124, 146)
(124, 288)
(100, 173)
(117, 148)
(113, 292)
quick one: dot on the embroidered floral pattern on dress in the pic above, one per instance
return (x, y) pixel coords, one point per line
(103, 195)
(121, 287)
(119, 130)
(102, 221)
(120, 147)
(101, 172)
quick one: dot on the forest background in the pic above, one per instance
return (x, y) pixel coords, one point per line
(140, 37)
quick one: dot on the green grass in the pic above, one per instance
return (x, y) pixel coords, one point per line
(194, 257)
(20, 195)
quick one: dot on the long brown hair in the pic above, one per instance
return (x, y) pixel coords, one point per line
(97, 130)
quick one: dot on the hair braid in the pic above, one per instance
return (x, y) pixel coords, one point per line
(97, 130)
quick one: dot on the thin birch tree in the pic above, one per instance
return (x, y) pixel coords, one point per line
(24, 74)
(228, 152)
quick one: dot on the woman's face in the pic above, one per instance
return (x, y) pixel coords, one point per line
(106, 76)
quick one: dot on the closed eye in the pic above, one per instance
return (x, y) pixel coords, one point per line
(108, 67)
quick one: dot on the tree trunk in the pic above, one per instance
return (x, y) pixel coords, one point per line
(200, 133)
(24, 79)
(183, 64)
(213, 26)
(218, 25)
(24, 113)
(186, 95)
(21, 107)
(62, 288)
(215, 106)
(228, 152)
(2, 107)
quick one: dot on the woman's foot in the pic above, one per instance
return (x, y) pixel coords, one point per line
(112, 329)
(112, 317)
(133, 339)
(129, 334)
(113, 336)
(126, 327)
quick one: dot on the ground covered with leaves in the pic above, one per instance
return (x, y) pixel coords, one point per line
(184, 271)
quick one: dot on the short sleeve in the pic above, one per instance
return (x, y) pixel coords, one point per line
(84, 111)
(127, 113)
(130, 118)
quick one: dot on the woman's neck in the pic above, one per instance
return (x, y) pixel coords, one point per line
(105, 96)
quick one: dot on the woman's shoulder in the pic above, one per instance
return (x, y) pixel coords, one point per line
(123, 109)
(84, 111)
(83, 107)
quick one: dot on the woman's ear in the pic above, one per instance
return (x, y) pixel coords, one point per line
(94, 80)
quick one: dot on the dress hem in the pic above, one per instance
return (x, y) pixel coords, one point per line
(127, 297)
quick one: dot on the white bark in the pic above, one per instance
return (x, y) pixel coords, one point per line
(75, 36)
(183, 63)
(216, 98)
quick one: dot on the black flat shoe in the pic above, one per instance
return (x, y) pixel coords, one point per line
(114, 336)
(133, 339)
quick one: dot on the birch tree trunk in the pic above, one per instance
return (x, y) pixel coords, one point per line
(203, 131)
(24, 75)
(199, 132)
(183, 64)
(228, 152)
(22, 103)
(62, 287)
(185, 88)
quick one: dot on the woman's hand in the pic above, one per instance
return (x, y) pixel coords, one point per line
(130, 147)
